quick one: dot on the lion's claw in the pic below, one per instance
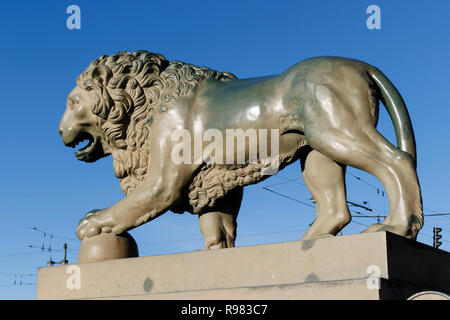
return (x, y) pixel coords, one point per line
(89, 227)
(91, 213)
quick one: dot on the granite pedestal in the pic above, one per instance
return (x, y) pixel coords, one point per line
(370, 266)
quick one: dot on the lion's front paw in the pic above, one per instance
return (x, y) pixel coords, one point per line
(90, 225)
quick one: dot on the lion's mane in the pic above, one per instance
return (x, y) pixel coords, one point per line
(132, 87)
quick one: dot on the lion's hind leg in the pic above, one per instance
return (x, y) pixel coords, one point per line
(325, 180)
(368, 150)
(342, 128)
(218, 226)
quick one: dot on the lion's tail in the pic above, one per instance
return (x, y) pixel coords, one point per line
(396, 107)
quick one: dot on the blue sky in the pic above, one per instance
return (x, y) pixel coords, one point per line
(44, 186)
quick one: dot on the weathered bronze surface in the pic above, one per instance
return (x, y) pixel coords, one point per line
(325, 110)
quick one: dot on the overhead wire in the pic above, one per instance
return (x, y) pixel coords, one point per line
(379, 191)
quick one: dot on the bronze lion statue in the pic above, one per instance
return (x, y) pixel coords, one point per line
(324, 111)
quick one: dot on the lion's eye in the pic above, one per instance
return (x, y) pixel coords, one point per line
(74, 101)
(87, 85)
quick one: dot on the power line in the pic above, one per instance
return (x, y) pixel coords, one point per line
(437, 214)
(18, 278)
(290, 198)
(291, 180)
(310, 205)
(359, 205)
(33, 253)
(353, 216)
(49, 249)
(304, 203)
(45, 233)
(287, 180)
(240, 236)
(365, 182)
(11, 284)
(434, 213)
(15, 274)
(280, 183)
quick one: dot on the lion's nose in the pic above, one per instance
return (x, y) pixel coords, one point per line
(68, 135)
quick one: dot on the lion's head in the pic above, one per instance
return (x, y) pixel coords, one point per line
(114, 101)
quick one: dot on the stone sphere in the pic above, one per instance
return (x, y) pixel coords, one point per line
(107, 246)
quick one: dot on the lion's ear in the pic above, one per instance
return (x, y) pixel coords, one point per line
(103, 108)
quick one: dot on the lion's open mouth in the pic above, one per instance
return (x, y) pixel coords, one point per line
(91, 152)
